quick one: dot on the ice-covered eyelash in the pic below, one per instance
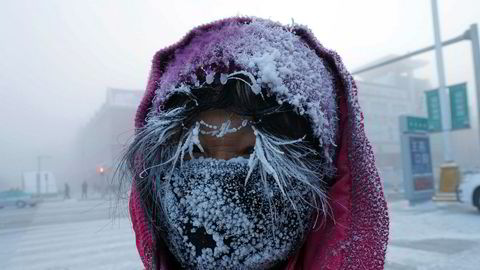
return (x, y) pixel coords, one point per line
(285, 160)
(224, 129)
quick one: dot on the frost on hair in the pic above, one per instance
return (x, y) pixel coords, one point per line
(168, 137)
(263, 56)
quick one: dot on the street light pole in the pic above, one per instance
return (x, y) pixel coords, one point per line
(444, 99)
(473, 35)
(39, 170)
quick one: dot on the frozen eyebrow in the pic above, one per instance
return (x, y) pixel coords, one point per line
(224, 128)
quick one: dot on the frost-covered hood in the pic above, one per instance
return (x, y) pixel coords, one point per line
(288, 60)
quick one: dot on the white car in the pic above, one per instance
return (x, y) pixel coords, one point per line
(468, 191)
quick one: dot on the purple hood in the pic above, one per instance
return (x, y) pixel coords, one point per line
(288, 60)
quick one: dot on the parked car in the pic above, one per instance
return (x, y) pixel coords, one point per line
(17, 198)
(468, 191)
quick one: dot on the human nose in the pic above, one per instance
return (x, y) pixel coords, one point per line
(224, 154)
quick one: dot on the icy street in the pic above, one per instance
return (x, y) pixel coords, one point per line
(73, 234)
(433, 236)
(66, 235)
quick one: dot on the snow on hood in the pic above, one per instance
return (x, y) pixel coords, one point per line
(297, 69)
(271, 56)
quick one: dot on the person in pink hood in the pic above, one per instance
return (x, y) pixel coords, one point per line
(250, 153)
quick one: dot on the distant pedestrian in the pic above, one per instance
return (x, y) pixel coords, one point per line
(66, 194)
(84, 189)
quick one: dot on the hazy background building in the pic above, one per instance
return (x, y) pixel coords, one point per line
(57, 58)
(101, 141)
(388, 92)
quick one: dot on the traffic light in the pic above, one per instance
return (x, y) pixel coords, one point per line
(100, 170)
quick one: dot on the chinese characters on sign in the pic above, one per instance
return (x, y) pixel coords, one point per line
(458, 108)
(417, 159)
(417, 124)
(434, 111)
(421, 163)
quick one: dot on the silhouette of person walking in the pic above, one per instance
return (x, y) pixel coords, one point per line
(66, 194)
(84, 189)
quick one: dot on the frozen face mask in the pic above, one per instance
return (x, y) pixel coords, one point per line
(247, 212)
(214, 219)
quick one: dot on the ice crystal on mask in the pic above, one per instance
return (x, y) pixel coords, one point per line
(213, 221)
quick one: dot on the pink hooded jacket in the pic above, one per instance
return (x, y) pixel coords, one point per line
(299, 70)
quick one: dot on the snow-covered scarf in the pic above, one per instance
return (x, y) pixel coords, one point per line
(290, 62)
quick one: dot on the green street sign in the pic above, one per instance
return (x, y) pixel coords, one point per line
(459, 106)
(414, 124)
(434, 110)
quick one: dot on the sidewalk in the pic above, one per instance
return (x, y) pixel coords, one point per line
(433, 235)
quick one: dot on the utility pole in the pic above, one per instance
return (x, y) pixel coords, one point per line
(39, 176)
(449, 171)
(39, 168)
(473, 35)
(444, 99)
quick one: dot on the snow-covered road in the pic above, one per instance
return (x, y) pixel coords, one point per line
(434, 236)
(82, 235)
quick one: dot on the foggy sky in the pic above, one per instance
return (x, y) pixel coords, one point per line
(58, 57)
